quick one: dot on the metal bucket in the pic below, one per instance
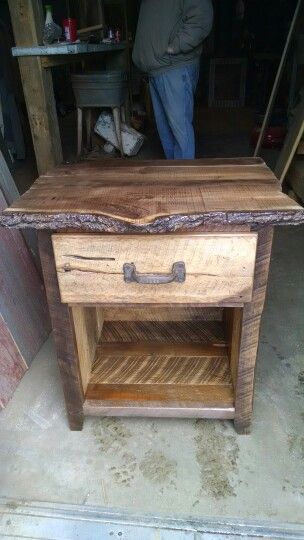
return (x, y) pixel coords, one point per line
(100, 89)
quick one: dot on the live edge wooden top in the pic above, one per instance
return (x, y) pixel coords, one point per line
(154, 196)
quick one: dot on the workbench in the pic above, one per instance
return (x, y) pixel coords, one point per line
(156, 275)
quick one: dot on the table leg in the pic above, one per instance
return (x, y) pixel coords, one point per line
(117, 123)
(63, 335)
(79, 131)
(250, 335)
(123, 113)
(88, 128)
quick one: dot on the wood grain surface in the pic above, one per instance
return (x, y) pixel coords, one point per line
(249, 336)
(164, 368)
(233, 319)
(87, 323)
(204, 396)
(158, 313)
(128, 196)
(219, 267)
(208, 332)
(161, 366)
(64, 336)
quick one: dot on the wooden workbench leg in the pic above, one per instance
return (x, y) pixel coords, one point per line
(63, 335)
(89, 128)
(79, 131)
(250, 335)
(117, 124)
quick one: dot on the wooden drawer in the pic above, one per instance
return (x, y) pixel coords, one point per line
(219, 268)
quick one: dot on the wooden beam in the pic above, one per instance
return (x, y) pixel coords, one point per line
(64, 336)
(27, 22)
(251, 320)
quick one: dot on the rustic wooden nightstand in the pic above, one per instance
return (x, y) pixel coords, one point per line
(156, 275)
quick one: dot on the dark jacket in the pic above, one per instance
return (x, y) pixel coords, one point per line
(177, 25)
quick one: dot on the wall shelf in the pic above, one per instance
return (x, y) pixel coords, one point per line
(68, 49)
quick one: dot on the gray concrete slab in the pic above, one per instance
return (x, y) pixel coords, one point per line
(174, 467)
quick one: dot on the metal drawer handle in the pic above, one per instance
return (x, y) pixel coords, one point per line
(178, 275)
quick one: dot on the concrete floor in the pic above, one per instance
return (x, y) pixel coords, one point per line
(174, 467)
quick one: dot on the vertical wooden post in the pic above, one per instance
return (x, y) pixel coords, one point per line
(27, 22)
(79, 131)
(250, 335)
(64, 336)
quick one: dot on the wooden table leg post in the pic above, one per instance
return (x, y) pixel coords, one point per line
(63, 335)
(250, 335)
(79, 131)
(89, 128)
(117, 124)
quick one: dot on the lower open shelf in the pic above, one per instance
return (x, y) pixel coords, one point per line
(161, 368)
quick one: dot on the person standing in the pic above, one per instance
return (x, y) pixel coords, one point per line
(168, 46)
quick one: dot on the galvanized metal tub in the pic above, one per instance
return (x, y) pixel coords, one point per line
(100, 89)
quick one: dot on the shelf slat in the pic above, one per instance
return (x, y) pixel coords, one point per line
(211, 395)
(145, 348)
(161, 368)
(166, 369)
(204, 332)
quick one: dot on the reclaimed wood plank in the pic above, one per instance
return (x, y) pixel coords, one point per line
(212, 395)
(177, 332)
(87, 329)
(86, 166)
(156, 197)
(249, 342)
(233, 318)
(219, 267)
(64, 336)
(153, 313)
(152, 348)
(161, 367)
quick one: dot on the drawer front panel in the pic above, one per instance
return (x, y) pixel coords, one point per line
(219, 268)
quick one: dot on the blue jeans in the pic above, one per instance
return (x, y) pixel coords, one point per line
(172, 94)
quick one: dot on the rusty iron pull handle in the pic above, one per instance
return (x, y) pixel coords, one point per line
(178, 275)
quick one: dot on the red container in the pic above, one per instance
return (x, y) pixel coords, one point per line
(70, 29)
(274, 137)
